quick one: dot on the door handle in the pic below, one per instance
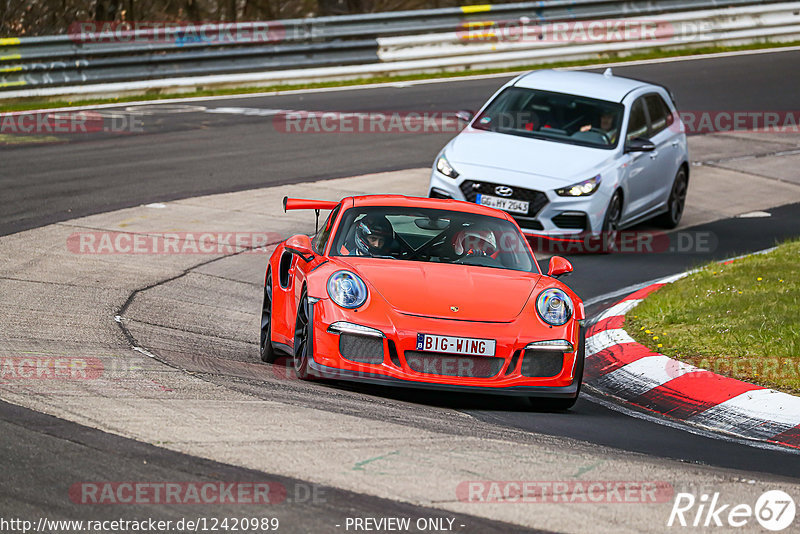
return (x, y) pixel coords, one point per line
(675, 144)
(653, 155)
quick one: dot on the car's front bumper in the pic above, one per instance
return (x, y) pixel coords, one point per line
(559, 217)
(334, 373)
(395, 364)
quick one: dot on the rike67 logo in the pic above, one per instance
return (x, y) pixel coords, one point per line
(774, 510)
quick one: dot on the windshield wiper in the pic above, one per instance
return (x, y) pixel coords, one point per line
(555, 138)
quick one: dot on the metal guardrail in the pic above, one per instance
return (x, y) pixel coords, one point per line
(303, 45)
(695, 28)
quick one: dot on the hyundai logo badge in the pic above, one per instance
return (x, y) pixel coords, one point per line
(503, 191)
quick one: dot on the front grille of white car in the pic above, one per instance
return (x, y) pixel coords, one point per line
(537, 199)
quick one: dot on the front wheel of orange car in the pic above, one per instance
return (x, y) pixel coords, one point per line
(268, 353)
(553, 405)
(303, 339)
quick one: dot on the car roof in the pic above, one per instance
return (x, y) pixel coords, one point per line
(589, 84)
(421, 202)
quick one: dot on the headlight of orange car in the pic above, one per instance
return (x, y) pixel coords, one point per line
(347, 290)
(554, 306)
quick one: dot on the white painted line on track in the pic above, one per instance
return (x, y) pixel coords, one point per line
(619, 292)
(256, 112)
(157, 106)
(754, 215)
(621, 308)
(676, 277)
(716, 55)
(145, 352)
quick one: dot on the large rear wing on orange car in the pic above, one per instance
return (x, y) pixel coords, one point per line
(303, 204)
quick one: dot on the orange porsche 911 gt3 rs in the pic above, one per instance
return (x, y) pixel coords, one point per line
(425, 293)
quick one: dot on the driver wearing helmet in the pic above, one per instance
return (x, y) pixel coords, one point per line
(374, 236)
(475, 242)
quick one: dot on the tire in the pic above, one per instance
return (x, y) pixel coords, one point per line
(553, 405)
(564, 404)
(611, 223)
(676, 202)
(303, 339)
(268, 353)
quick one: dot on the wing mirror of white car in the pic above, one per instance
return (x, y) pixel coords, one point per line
(300, 245)
(558, 266)
(465, 115)
(640, 144)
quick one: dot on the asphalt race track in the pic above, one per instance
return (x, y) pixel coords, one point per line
(185, 151)
(41, 454)
(187, 154)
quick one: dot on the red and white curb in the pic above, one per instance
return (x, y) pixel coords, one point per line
(619, 366)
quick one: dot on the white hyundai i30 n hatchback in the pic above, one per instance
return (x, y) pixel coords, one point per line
(571, 153)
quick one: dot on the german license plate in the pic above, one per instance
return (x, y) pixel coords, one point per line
(456, 345)
(505, 204)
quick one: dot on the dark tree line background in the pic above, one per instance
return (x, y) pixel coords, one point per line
(20, 18)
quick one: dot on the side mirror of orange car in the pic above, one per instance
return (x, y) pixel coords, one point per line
(300, 245)
(558, 266)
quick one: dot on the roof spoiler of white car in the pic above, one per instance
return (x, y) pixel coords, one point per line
(667, 89)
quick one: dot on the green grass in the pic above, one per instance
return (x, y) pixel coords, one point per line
(44, 103)
(740, 320)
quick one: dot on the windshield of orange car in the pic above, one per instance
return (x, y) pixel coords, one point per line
(431, 235)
